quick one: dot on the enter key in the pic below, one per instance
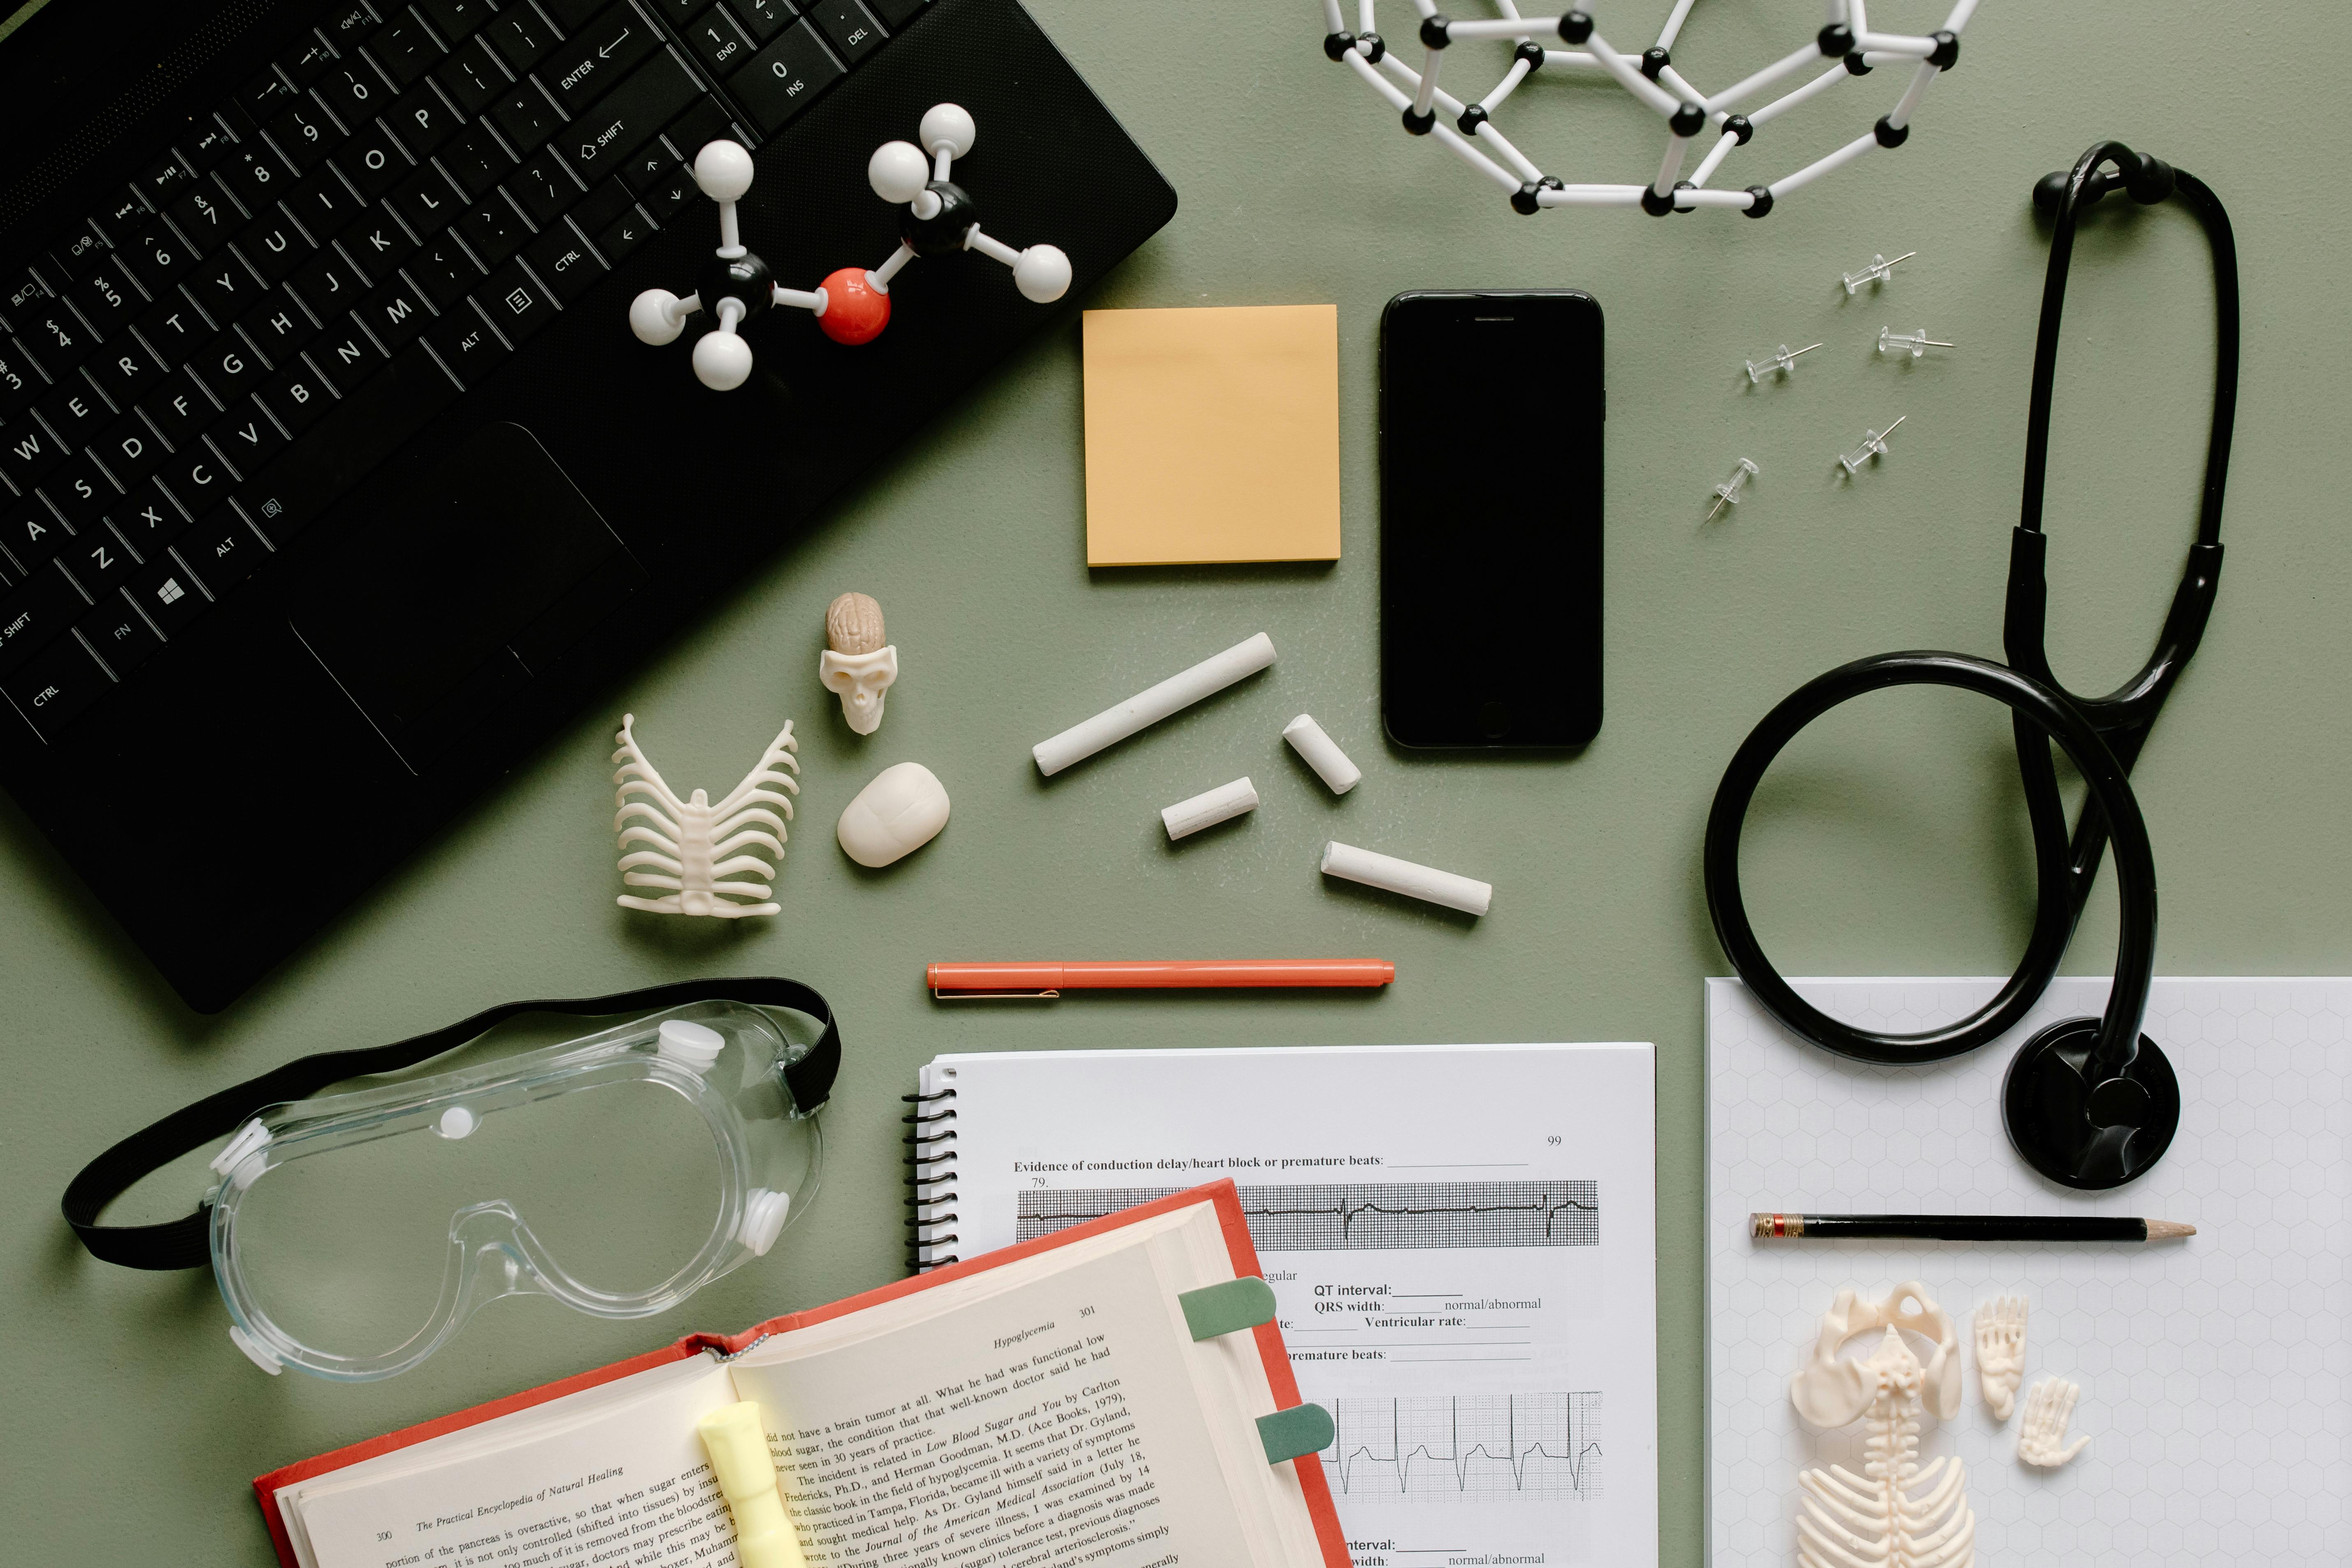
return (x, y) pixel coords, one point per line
(598, 55)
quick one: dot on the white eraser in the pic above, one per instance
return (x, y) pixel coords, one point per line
(1424, 882)
(1210, 807)
(1322, 754)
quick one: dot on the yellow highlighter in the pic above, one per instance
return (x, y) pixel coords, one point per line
(765, 1537)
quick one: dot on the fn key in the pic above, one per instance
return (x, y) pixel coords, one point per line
(53, 690)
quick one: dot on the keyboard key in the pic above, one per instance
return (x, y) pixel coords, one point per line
(306, 62)
(72, 257)
(360, 432)
(27, 451)
(278, 327)
(515, 303)
(205, 143)
(422, 119)
(58, 686)
(304, 134)
(322, 204)
(469, 349)
(123, 214)
(225, 288)
(348, 355)
(476, 161)
(33, 533)
(221, 550)
(678, 13)
(273, 246)
(296, 397)
(353, 90)
(73, 409)
(627, 118)
(427, 202)
(372, 162)
(763, 20)
(623, 234)
(847, 24)
(168, 593)
(671, 194)
(99, 560)
(119, 634)
(521, 37)
(347, 25)
(229, 369)
(472, 77)
(784, 78)
(36, 613)
(196, 479)
(897, 14)
(605, 203)
(247, 437)
(107, 299)
(326, 284)
(126, 369)
(20, 383)
(599, 55)
(24, 292)
(255, 177)
(648, 168)
(445, 272)
(165, 179)
(181, 408)
(128, 449)
(174, 329)
(79, 490)
(543, 187)
(703, 122)
(572, 15)
(524, 113)
(148, 519)
(717, 42)
(203, 214)
(55, 334)
(492, 231)
(563, 262)
(455, 19)
(377, 244)
(395, 313)
(403, 48)
(155, 258)
(265, 96)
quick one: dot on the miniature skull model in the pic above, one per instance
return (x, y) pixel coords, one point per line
(2000, 1353)
(855, 665)
(695, 843)
(2042, 1438)
(1894, 1514)
(852, 305)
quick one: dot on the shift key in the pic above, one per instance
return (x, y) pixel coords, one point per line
(627, 118)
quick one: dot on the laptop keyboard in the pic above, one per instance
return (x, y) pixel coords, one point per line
(322, 263)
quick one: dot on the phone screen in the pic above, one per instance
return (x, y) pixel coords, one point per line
(1491, 410)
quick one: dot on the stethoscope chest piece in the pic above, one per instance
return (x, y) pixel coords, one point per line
(2083, 1128)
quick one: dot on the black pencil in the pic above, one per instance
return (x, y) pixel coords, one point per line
(1964, 1228)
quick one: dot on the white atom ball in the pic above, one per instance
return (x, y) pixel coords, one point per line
(897, 172)
(723, 170)
(1043, 274)
(949, 123)
(722, 361)
(650, 318)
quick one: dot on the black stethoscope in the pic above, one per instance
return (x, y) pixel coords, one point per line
(2090, 1102)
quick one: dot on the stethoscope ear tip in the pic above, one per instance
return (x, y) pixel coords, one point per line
(2081, 1129)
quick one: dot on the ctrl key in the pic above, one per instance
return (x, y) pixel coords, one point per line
(169, 596)
(58, 686)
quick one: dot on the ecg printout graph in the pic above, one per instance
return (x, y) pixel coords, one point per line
(1331, 1217)
(1481, 1445)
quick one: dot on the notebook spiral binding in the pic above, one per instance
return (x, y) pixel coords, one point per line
(930, 1179)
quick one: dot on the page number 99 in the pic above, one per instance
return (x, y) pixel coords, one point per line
(1553, 1140)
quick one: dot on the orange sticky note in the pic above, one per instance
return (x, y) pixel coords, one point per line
(1213, 434)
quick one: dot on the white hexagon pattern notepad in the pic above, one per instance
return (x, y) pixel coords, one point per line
(2216, 1374)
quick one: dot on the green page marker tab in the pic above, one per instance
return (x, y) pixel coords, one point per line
(1227, 1308)
(1301, 1429)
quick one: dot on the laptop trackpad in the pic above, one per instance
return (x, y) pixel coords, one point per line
(445, 593)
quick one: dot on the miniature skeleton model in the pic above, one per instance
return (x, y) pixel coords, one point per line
(1894, 1514)
(1845, 46)
(2042, 1438)
(855, 665)
(2000, 1353)
(697, 845)
(851, 305)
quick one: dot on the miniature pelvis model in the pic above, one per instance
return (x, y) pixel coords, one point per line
(696, 844)
(1894, 1514)
(2000, 1353)
(856, 666)
(853, 304)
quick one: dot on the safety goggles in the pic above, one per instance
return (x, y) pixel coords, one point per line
(617, 1172)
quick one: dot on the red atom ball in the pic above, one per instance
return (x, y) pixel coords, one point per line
(854, 311)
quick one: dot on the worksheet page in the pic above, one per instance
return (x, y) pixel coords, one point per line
(1462, 1245)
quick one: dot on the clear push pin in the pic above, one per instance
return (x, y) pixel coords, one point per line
(1879, 270)
(1874, 445)
(1727, 493)
(1783, 360)
(1916, 344)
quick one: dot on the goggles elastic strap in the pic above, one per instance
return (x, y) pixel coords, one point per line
(183, 1242)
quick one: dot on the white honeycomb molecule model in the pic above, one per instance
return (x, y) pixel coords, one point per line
(1467, 129)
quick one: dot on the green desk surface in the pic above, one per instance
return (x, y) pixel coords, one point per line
(1888, 841)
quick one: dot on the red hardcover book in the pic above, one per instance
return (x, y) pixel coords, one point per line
(1038, 1405)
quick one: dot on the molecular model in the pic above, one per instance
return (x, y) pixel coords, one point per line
(1468, 130)
(853, 305)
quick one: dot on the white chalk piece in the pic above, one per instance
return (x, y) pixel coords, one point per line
(1210, 807)
(1425, 882)
(1146, 709)
(1322, 754)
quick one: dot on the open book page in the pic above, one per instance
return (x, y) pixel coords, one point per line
(1049, 1413)
(612, 1474)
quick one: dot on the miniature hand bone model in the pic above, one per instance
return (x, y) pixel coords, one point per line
(2000, 1353)
(852, 305)
(697, 845)
(2042, 1436)
(1894, 1514)
(856, 666)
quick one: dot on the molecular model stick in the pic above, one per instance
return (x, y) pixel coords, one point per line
(852, 305)
(1846, 40)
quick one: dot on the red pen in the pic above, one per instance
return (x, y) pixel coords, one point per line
(972, 981)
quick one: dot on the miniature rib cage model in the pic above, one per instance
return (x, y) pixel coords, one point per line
(697, 845)
(852, 305)
(1718, 123)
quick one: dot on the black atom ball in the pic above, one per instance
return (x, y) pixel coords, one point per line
(944, 231)
(745, 278)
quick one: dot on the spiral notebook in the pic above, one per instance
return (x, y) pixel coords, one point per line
(1460, 1239)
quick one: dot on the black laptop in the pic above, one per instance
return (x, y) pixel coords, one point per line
(333, 482)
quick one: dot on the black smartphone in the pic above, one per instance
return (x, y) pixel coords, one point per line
(1491, 411)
